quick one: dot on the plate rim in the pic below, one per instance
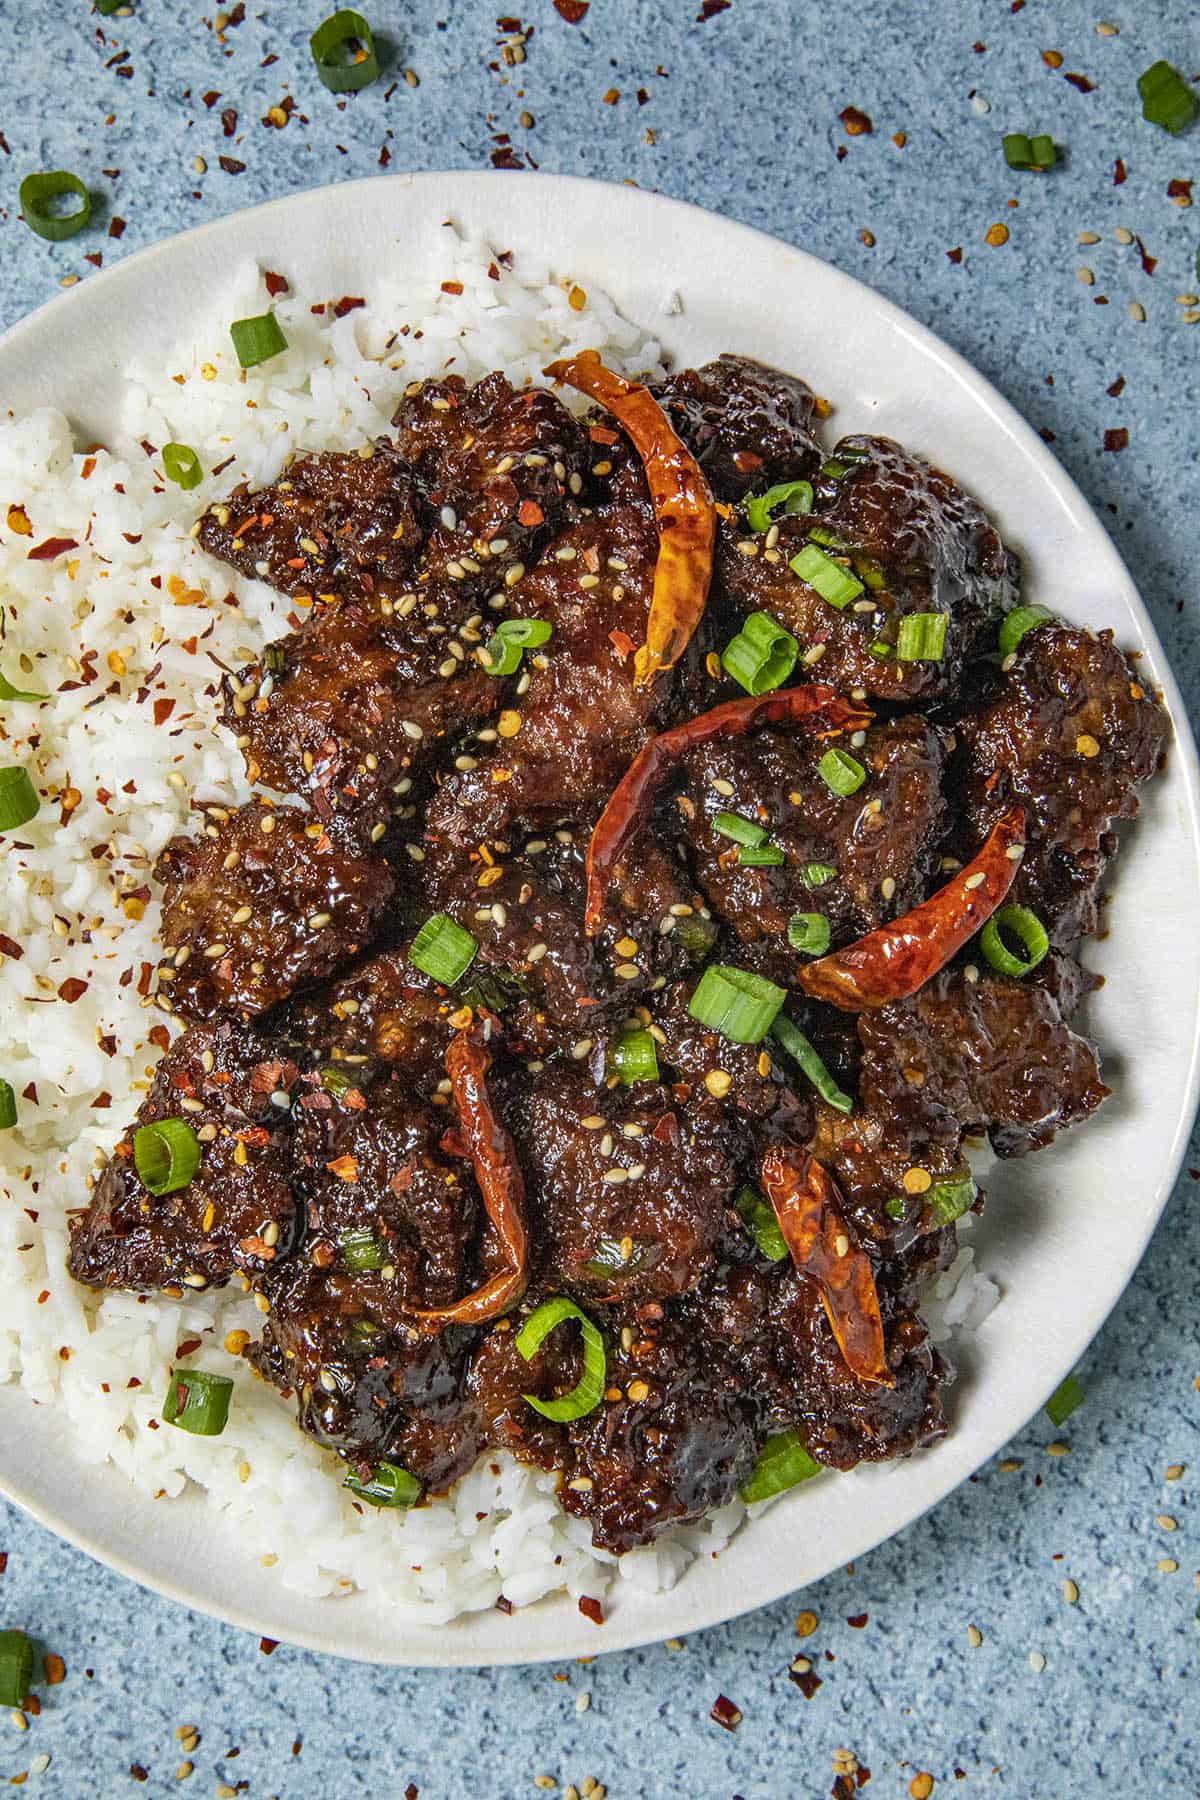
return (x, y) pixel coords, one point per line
(439, 1649)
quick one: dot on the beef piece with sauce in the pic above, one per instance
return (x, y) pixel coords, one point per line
(1069, 732)
(264, 902)
(748, 425)
(381, 1011)
(233, 1086)
(918, 544)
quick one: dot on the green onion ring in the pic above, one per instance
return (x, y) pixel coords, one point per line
(783, 1462)
(1017, 623)
(37, 190)
(18, 798)
(1023, 924)
(588, 1391)
(181, 465)
(166, 1155)
(785, 497)
(443, 949)
(735, 1002)
(197, 1402)
(792, 1039)
(16, 1668)
(8, 1106)
(340, 29)
(389, 1485)
(758, 1216)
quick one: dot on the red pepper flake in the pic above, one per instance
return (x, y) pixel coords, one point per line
(503, 1603)
(1116, 438)
(344, 1167)
(210, 99)
(856, 123)
(187, 1347)
(275, 284)
(412, 1792)
(231, 165)
(955, 255)
(805, 1680)
(725, 1713)
(138, 1773)
(347, 304)
(1081, 82)
(10, 947)
(229, 121)
(1149, 263)
(163, 710)
(858, 1622)
(622, 643)
(1115, 387)
(591, 1609)
(571, 10)
(29, 1092)
(49, 548)
(159, 1036)
(612, 96)
(3, 1561)
(710, 8)
(1180, 190)
(530, 513)
(452, 287)
(103, 1100)
(72, 990)
(1119, 172)
(268, 1646)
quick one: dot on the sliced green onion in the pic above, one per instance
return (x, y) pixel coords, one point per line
(361, 1250)
(181, 465)
(821, 534)
(198, 1402)
(1065, 1400)
(106, 8)
(1167, 100)
(897, 1206)
(8, 1106)
(363, 1329)
(502, 655)
(328, 42)
(760, 856)
(1022, 924)
(18, 798)
(950, 1198)
(880, 650)
(696, 936)
(758, 1215)
(809, 932)
(832, 581)
(738, 1004)
(336, 1081)
(790, 1038)
(761, 656)
(390, 1485)
(443, 949)
(783, 1462)
(785, 497)
(1021, 152)
(610, 1258)
(817, 874)
(9, 692)
(257, 340)
(37, 191)
(585, 1396)
(742, 831)
(166, 1155)
(922, 637)
(842, 773)
(1017, 623)
(16, 1667)
(635, 1058)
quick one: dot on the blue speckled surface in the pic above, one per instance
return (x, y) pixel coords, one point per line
(743, 111)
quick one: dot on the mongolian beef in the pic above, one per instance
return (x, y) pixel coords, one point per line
(671, 845)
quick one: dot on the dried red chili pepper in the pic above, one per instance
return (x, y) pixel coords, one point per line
(816, 707)
(808, 1206)
(683, 509)
(893, 962)
(494, 1156)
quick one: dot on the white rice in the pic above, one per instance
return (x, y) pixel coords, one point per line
(137, 616)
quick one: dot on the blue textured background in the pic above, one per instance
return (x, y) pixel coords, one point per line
(743, 111)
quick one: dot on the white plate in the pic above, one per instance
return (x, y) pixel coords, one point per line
(1064, 1230)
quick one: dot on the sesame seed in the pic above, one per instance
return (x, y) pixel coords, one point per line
(1166, 1565)
(1086, 275)
(627, 971)
(1173, 1471)
(580, 1048)
(1058, 1449)
(1086, 744)
(1123, 234)
(1165, 1522)
(974, 1636)
(638, 1390)
(814, 654)
(411, 730)
(1037, 1661)
(917, 1181)
(1137, 311)
(887, 887)
(974, 881)
(614, 1177)
(718, 1083)
(1070, 1592)
(806, 1624)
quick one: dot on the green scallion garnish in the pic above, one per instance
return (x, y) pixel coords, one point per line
(510, 640)
(1021, 152)
(16, 1668)
(336, 1081)
(257, 340)
(8, 1106)
(1066, 1398)
(1022, 619)
(762, 655)
(18, 798)
(38, 192)
(758, 1216)
(742, 831)
(361, 1251)
(443, 949)
(832, 580)
(790, 1038)
(760, 856)
(9, 692)
(341, 72)
(951, 1197)
(181, 465)
(785, 497)
(634, 1057)
(817, 874)
(585, 1396)
(1018, 922)
(390, 1485)
(842, 773)
(166, 1155)
(783, 1462)
(809, 931)
(922, 637)
(1167, 100)
(198, 1402)
(735, 1002)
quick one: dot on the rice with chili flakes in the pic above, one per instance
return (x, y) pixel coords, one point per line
(128, 625)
